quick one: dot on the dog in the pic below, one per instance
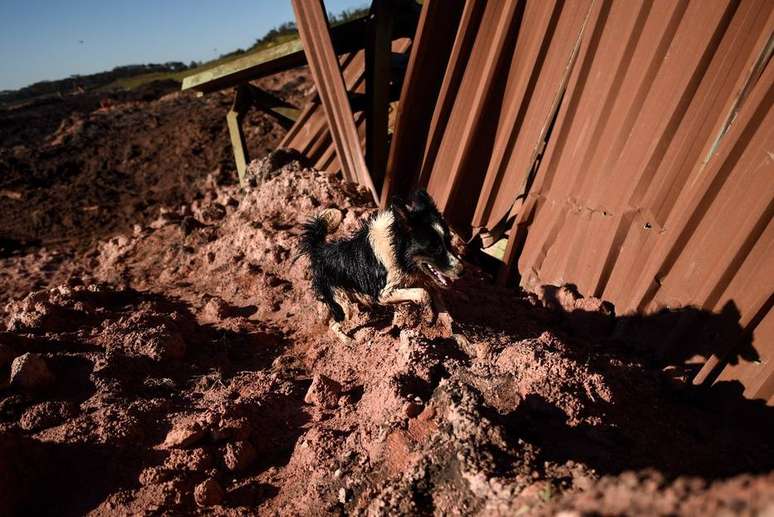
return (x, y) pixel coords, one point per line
(386, 261)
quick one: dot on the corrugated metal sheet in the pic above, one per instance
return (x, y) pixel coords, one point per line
(626, 145)
(622, 147)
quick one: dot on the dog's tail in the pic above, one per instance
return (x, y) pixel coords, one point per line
(315, 231)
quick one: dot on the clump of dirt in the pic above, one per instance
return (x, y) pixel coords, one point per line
(191, 371)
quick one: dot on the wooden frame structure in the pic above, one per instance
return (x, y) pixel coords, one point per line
(347, 111)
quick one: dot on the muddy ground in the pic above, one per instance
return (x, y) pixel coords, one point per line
(162, 353)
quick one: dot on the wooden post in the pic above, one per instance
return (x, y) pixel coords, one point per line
(313, 29)
(234, 119)
(378, 56)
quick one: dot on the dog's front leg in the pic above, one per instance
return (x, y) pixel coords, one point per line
(442, 311)
(417, 295)
(445, 319)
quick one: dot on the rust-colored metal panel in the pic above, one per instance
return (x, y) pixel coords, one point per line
(541, 61)
(633, 213)
(455, 70)
(456, 170)
(628, 142)
(310, 136)
(313, 30)
(427, 63)
(655, 186)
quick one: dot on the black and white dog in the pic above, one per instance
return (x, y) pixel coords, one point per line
(384, 261)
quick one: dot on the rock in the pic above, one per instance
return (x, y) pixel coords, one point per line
(239, 456)
(208, 493)
(153, 476)
(236, 429)
(46, 414)
(413, 409)
(427, 414)
(183, 436)
(264, 169)
(30, 371)
(342, 495)
(323, 392)
(193, 460)
(216, 309)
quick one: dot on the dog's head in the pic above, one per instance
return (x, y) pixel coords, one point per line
(427, 247)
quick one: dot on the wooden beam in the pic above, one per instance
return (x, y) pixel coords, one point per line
(234, 118)
(283, 112)
(378, 64)
(247, 68)
(313, 29)
(346, 37)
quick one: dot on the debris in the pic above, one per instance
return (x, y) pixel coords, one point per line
(30, 371)
(184, 436)
(239, 456)
(323, 392)
(208, 493)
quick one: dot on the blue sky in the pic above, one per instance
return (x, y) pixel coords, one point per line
(40, 39)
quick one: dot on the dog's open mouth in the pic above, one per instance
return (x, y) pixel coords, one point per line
(434, 273)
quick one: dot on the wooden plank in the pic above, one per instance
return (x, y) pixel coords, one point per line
(283, 112)
(378, 64)
(346, 37)
(252, 66)
(313, 29)
(234, 119)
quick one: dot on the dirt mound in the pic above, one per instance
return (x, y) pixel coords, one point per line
(83, 167)
(190, 370)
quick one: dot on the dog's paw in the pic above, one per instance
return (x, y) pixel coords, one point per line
(461, 340)
(429, 315)
(446, 321)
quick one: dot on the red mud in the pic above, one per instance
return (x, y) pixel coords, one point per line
(189, 371)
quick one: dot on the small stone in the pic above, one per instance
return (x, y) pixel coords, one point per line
(235, 429)
(183, 436)
(428, 414)
(342, 495)
(323, 392)
(216, 309)
(413, 409)
(46, 414)
(208, 493)
(30, 371)
(239, 456)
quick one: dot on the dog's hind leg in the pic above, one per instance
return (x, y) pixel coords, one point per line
(336, 313)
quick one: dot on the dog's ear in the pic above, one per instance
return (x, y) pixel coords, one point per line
(400, 209)
(422, 202)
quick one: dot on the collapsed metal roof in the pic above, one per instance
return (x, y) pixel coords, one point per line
(622, 147)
